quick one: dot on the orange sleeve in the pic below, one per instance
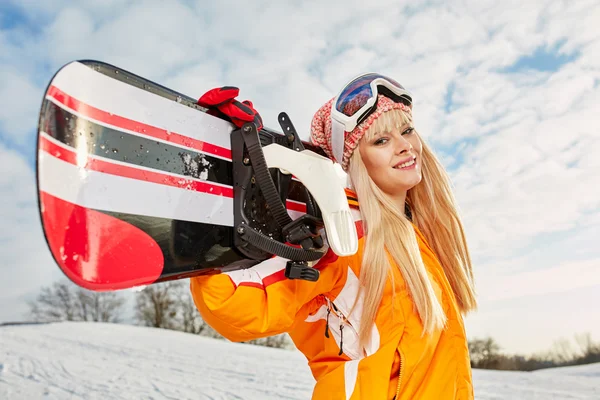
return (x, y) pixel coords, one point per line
(260, 301)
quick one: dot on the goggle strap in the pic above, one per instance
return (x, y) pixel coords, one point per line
(337, 140)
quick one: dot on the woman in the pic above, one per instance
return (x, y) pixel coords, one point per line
(387, 322)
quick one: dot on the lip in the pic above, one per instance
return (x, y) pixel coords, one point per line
(406, 160)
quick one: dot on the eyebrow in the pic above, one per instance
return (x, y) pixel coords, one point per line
(402, 128)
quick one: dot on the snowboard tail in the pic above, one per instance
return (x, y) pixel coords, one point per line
(136, 181)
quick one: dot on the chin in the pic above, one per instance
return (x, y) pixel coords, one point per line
(411, 182)
(412, 186)
(406, 187)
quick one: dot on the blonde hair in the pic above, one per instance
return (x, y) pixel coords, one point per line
(434, 213)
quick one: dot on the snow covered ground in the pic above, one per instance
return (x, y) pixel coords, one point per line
(110, 361)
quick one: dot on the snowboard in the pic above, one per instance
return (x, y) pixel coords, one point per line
(138, 184)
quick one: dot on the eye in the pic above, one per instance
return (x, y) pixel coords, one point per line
(408, 131)
(380, 141)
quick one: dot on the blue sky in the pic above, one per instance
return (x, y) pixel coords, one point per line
(508, 96)
(542, 59)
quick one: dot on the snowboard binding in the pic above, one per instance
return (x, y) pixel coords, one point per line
(261, 233)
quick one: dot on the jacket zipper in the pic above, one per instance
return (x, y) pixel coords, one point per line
(343, 322)
(399, 375)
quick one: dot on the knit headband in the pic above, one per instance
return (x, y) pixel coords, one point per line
(320, 130)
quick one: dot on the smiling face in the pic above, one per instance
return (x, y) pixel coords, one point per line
(391, 151)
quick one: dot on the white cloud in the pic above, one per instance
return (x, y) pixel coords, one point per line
(438, 29)
(535, 175)
(562, 278)
(126, 40)
(20, 100)
(69, 35)
(197, 79)
(26, 262)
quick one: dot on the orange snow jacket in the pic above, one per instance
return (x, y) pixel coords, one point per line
(398, 362)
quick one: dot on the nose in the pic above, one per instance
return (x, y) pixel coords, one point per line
(402, 145)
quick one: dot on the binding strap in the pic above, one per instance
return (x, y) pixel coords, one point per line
(263, 177)
(272, 246)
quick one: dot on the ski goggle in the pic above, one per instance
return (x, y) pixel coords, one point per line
(356, 101)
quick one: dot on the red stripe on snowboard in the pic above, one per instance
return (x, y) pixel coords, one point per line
(135, 126)
(69, 155)
(81, 240)
(94, 164)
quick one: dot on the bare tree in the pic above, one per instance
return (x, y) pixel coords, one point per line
(586, 344)
(170, 305)
(484, 353)
(189, 319)
(280, 341)
(156, 305)
(64, 301)
(562, 352)
(55, 303)
(590, 350)
(99, 306)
